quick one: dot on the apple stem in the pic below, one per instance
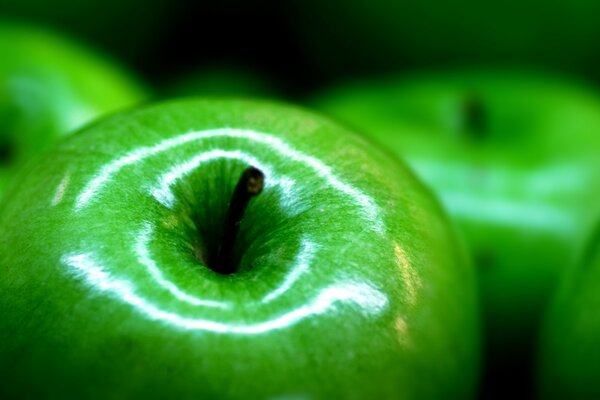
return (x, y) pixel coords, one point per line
(475, 116)
(250, 184)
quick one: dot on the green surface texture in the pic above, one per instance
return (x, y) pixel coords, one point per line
(352, 283)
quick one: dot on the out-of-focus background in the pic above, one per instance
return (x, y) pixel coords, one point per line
(494, 104)
(302, 45)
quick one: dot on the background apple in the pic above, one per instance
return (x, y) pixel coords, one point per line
(514, 158)
(50, 86)
(569, 350)
(350, 281)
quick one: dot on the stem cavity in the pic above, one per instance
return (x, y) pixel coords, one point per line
(475, 118)
(251, 184)
(6, 152)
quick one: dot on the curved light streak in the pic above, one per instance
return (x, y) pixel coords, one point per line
(301, 265)
(490, 202)
(369, 299)
(371, 210)
(402, 331)
(59, 193)
(164, 195)
(410, 277)
(506, 212)
(143, 256)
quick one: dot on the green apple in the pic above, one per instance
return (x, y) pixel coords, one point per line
(348, 280)
(570, 340)
(222, 80)
(354, 36)
(49, 87)
(514, 159)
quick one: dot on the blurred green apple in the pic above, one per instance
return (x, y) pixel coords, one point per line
(348, 280)
(570, 344)
(50, 86)
(514, 157)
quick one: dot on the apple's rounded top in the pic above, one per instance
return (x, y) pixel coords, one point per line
(345, 266)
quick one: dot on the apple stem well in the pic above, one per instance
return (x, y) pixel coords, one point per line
(475, 116)
(251, 184)
(6, 152)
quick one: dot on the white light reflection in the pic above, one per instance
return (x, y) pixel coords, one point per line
(144, 257)
(165, 196)
(59, 193)
(366, 297)
(402, 331)
(487, 197)
(410, 277)
(371, 211)
(301, 265)
(530, 214)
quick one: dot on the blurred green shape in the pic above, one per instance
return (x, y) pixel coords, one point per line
(355, 36)
(570, 346)
(49, 87)
(515, 159)
(222, 80)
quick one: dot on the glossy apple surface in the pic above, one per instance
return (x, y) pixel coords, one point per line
(49, 87)
(351, 282)
(570, 342)
(514, 159)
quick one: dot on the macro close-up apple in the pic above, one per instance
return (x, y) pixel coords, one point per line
(569, 349)
(345, 278)
(513, 157)
(50, 86)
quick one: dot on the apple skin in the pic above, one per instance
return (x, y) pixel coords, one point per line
(351, 283)
(524, 192)
(50, 86)
(568, 365)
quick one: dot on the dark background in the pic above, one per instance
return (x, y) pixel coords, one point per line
(300, 46)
